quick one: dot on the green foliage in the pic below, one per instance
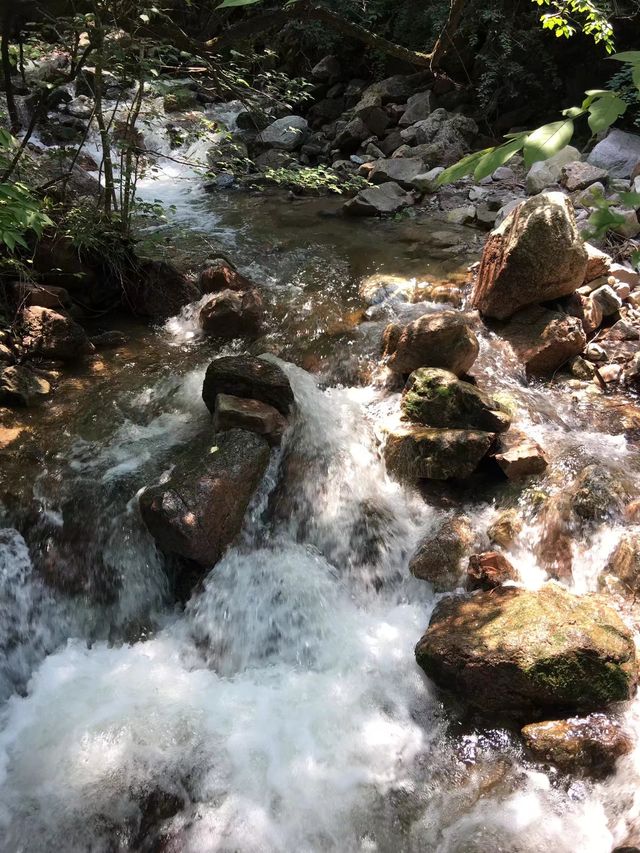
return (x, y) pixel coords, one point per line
(315, 180)
(20, 212)
(546, 141)
(566, 17)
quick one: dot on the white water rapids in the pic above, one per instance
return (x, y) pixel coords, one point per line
(282, 710)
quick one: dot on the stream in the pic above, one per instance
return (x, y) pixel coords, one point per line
(281, 709)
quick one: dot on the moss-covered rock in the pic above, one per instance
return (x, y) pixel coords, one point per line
(442, 340)
(522, 654)
(415, 452)
(438, 556)
(437, 398)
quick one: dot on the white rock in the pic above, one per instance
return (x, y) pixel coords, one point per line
(503, 173)
(625, 275)
(607, 299)
(461, 215)
(545, 173)
(426, 182)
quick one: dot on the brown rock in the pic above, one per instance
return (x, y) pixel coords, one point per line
(579, 175)
(489, 570)
(587, 310)
(414, 452)
(198, 511)
(233, 314)
(598, 263)
(250, 378)
(438, 556)
(45, 296)
(622, 571)
(252, 415)
(535, 255)
(520, 456)
(505, 529)
(592, 744)
(435, 340)
(220, 274)
(53, 335)
(159, 291)
(544, 340)
(20, 386)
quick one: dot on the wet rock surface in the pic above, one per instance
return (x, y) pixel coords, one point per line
(250, 378)
(523, 654)
(413, 453)
(438, 558)
(443, 340)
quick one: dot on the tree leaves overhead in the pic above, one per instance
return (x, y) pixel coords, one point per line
(547, 141)
(227, 4)
(496, 157)
(462, 168)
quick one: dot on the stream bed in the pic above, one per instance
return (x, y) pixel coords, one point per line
(281, 709)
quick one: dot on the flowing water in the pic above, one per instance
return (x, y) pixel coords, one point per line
(281, 708)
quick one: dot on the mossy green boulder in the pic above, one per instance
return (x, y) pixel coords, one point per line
(414, 452)
(521, 654)
(437, 398)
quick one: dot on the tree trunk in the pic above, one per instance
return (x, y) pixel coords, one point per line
(14, 118)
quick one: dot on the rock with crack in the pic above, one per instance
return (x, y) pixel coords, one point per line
(414, 453)
(402, 170)
(250, 378)
(437, 398)
(544, 340)
(534, 256)
(519, 456)
(444, 339)
(198, 511)
(525, 654)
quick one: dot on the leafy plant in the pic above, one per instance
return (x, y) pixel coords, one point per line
(20, 212)
(315, 180)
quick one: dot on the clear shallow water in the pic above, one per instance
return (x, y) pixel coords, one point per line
(282, 708)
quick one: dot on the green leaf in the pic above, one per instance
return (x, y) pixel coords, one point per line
(627, 56)
(630, 199)
(603, 112)
(497, 157)
(547, 141)
(603, 219)
(574, 112)
(226, 4)
(461, 168)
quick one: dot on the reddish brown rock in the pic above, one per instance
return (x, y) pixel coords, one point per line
(220, 274)
(587, 310)
(534, 256)
(591, 744)
(52, 335)
(253, 415)
(598, 263)
(519, 456)
(233, 314)
(544, 340)
(250, 378)
(443, 340)
(489, 570)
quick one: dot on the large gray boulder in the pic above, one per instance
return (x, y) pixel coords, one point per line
(398, 88)
(199, 510)
(618, 153)
(400, 169)
(446, 137)
(285, 134)
(419, 107)
(524, 654)
(546, 173)
(376, 201)
(535, 255)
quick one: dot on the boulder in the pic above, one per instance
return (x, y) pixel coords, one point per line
(523, 654)
(489, 570)
(437, 398)
(607, 300)
(399, 87)
(376, 120)
(441, 340)
(46, 296)
(326, 111)
(233, 314)
(546, 173)
(505, 529)
(618, 153)
(419, 107)
(598, 263)
(52, 335)
(596, 494)
(622, 570)
(443, 138)
(249, 378)
(415, 452)
(519, 456)
(400, 169)
(352, 135)
(199, 510)
(534, 256)
(159, 291)
(328, 70)
(20, 386)
(427, 182)
(253, 415)
(591, 744)
(578, 175)
(377, 201)
(219, 274)
(438, 556)
(586, 309)
(285, 134)
(544, 340)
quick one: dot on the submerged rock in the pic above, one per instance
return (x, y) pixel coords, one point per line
(53, 335)
(237, 412)
(219, 274)
(534, 256)
(233, 314)
(415, 452)
(438, 556)
(375, 201)
(592, 744)
(522, 654)
(198, 511)
(442, 340)
(250, 378)
(489, 570)
(437, 398)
